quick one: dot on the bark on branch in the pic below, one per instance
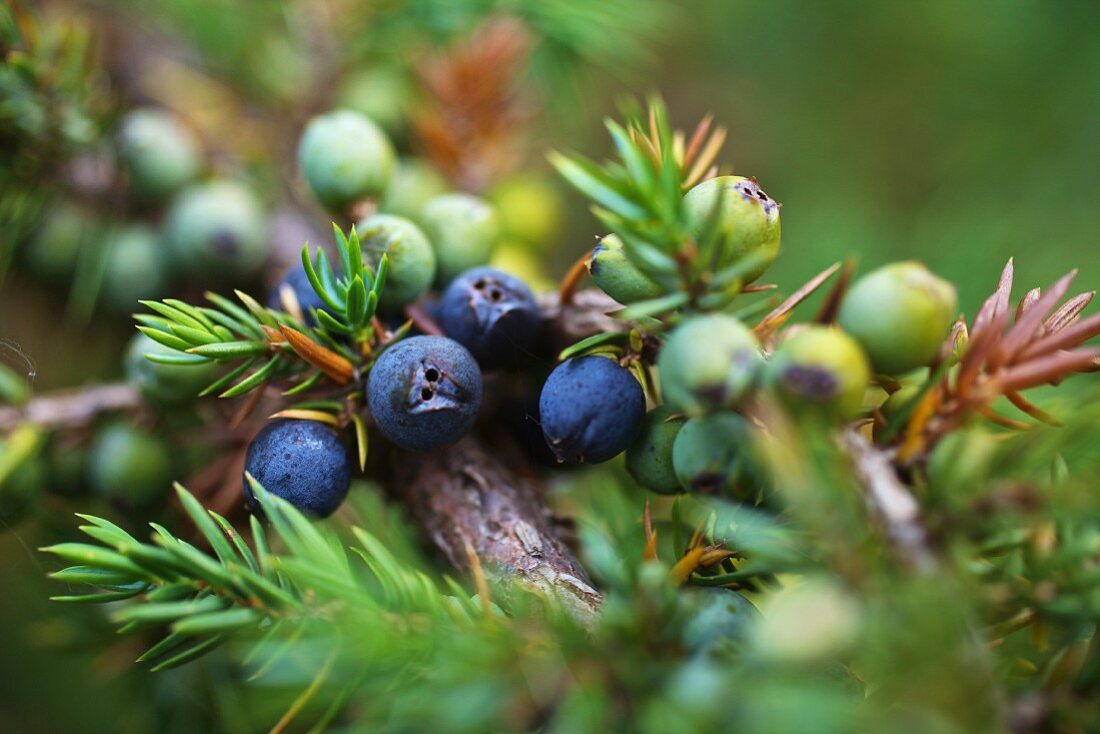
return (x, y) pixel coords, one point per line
(891, 501)
(466, 500)
(71, 408)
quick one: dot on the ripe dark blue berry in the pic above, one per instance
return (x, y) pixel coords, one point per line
(491, 313)
(303, 462)
(424, 392)
(298, 284)
(591, 410)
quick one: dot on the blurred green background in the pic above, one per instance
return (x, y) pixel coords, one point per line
(957, 133)
(961, 134)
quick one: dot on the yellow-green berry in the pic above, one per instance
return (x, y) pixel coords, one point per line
(409, 254)
(51, 254)
(463, 230)
(345, 158)
(708, 363)
(159, 153)
(901, 314)
(414, 183)
(617, 276)
(137, 267)
(712, 455)
(820, 371)
(130, 464)
(165, 384)
(217, 230)
(530, 208)
(743, 217)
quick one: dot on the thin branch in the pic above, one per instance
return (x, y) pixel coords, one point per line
(71, 408)
(891, 501)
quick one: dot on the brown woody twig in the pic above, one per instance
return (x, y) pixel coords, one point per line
(466, 499)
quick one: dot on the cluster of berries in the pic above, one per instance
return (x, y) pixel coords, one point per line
(179, 220)
(892, 322)
(424, 392)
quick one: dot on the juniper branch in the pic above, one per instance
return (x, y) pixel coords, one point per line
(71, 408)
(467, 500)
(890, 500)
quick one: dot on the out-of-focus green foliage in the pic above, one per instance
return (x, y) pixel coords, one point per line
(864, 639)
(52, 102)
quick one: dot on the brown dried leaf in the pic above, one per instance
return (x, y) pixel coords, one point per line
(1045, 369)
(697, 138)
(273, 334)
(1068, 312)
(778, 315)
(1064, 338)
(1031, 408)
(995, 306)
(1024, 330)
(831, 306)
(335, 366)
(706, 159)
(1004, 421)
(1027, 301)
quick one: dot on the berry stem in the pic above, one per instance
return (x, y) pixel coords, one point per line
(573, 278)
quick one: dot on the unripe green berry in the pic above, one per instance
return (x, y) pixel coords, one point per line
(52, 252)
(129, 465)
(410, 256)
(521, 260)
(69, 464)
(463, 230)
(617, 276)
(901, 314)
(137, 267)
(820, 371)
(530, 209)
(382, 93)
(345, 158)
(217, 229)
(414, 183)
(708, 363)
(649, 458)
(166, 384)
(711, 455)
(745, 218)
(160, 154)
